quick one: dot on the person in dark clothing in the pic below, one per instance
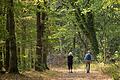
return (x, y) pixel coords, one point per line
(70, 61)
(88, 59)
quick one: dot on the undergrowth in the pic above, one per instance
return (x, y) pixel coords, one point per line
(112, 70)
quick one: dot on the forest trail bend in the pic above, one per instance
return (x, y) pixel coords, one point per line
(79, 74)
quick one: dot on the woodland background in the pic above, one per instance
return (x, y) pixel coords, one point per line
(35, 34)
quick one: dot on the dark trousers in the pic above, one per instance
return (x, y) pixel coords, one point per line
(70, 66)
(88, 67)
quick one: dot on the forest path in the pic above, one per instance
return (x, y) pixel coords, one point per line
(79, 74)
(59, 73)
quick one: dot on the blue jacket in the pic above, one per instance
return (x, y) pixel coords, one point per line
(88, 56)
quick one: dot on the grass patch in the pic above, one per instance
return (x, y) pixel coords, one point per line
(50, 74)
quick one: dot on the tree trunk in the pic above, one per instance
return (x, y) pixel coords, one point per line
(44, 39)
(41, 61)
(74, 41)
(45, 57)
(2, 69)
(32, 56)
(7, 55)
(61, 42)
(1, 61)
(19, 56)
(92, 34)
(83, 41)
(23, 47)
(1, 7)
(45, 52)
(13, 53)
(38, 63)
(87, 26)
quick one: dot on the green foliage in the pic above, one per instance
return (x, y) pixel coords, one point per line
(113, 70)
(3, 32)
(100, 57)
(116, 56)
(107, 27)
(61, 27)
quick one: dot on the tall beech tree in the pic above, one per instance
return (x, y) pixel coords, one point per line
(41, 47)
(45, 37)
(7, 55)
(86, 24)
(12, 39)
(38, 63)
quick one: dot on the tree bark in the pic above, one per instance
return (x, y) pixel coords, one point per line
(13, 53)
(83, 41)
(87, 26)
(1, 7)
(23, 47)
(32, 56)
(92, 33)
(61, 43)
(19, 57)
(1, 62)
(7, 55)
(45, 37)
(45, 52)
(41, 61)
(38, 62)
(74, 41)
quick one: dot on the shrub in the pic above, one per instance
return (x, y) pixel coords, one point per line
(113, 70)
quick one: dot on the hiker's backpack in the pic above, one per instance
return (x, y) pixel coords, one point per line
(87, 57)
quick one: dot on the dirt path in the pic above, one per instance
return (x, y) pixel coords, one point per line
(79, 74)
(57, 74)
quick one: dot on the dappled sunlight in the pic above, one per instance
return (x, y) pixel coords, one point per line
(59, 73)
(80, 74)
(59, 39)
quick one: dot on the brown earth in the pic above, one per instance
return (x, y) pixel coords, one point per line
(57, 74)
(79, 74)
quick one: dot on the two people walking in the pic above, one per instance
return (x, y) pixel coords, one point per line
(87, 59)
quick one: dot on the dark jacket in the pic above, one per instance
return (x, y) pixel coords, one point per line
(70, 59)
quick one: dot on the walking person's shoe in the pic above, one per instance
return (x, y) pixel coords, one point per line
(69, 71)
(88, 71)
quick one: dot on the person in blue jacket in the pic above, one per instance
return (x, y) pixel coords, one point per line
(87, 59)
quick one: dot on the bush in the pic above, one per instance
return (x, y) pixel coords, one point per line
(113, 70)
(100, 57)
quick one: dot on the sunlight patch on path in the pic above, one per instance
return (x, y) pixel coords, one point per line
(79, 74)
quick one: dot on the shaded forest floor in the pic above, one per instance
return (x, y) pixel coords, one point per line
(58, 73)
